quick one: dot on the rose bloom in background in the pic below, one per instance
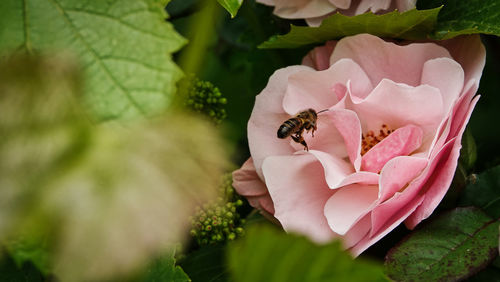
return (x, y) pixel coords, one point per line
(386, 150)
(314, 11)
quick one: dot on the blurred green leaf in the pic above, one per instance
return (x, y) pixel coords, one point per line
(452, 247)
(164, 269)
(108, 196)
(269, 254)
(11, 272)
(232, 6)
(412, 25)
(30, 250)
(124, 46)
(206, 264)
(484, 192)
(464, 17)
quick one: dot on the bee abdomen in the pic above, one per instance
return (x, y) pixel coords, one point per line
(288, 127)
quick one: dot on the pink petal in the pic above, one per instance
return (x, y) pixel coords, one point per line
(314, 89)
(401, 142)
(340, 91)
(335, 169)
(246, 181)
(463, 111)
(469, 52)
(360, 177)
(436, 186)
(388, 212)
(441, 179)
(316, 21)
(455, 119)
(357, 232)
(341, 4)
(263, 203)
(373, 5)
(348, 205)
(299, 192)
(319, 57)
(380, 59)
(437, 178)
(303, 9)
(267, 116)
(397, 173)
(446, 75)
(348, 125)
(398, 105)
(369, 240)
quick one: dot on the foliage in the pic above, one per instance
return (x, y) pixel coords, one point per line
(161, 269)
(266, 254)
(484, 192)
(232, 6)
(83, 197)
(10, 271)
(30, 249)
(96, 186)
(123, 46)
(451, 247)
(204, 97)
(207, 264)
(219, 221)
(413, 25)
(468, 153)
(464, 17)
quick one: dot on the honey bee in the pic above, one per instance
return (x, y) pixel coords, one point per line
(295, 126)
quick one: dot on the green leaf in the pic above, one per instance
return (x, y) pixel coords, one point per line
(465, 17)
(27, 249)
(468, 153)
(109, 197)
(452, 247)
(268, 254)
(412, 25)
(11, 272)
(124, 46)
(484, 192)
(206, 264)
(232, 6)
(164, 269)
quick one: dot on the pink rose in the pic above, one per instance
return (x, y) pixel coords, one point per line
(385, 151)
(314, 11)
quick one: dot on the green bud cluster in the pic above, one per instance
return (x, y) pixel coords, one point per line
(203, 97)
(219, 221)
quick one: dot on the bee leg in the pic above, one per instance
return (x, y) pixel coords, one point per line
(303, 142)
(299, 139)
(309, 126)
(314, 129)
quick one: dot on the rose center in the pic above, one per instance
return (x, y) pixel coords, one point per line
(371, 138)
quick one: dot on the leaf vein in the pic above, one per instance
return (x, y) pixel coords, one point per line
(97, 14)
(27, 42)
(135, 61)
(468, 237)
(96, 56)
